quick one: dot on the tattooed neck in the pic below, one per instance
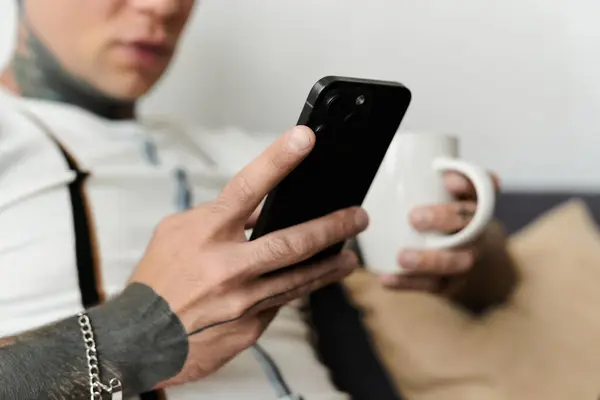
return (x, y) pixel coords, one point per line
(35, 72)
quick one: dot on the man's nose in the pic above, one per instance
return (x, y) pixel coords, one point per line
(161, 8)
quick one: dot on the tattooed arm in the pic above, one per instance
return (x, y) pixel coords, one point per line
(139, 340)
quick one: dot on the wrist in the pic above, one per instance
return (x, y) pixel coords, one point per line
(139, 339)
(491, 281)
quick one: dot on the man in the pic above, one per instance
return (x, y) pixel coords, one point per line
(84, 185)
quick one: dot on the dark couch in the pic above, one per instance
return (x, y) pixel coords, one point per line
(517, 209)
(341, 338)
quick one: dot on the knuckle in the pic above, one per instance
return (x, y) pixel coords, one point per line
(458, 261)
(301, 246)
(440, 213)
(236, 307)
(241, 265)
(230, 273)
(239, 190)
(470, 206)
(222, 277)
(277, 247)
(348, 221)
(463, 211)
(443, 261)
(341, 225)
(245, 191)
(219, 206)
(284, 246)
(224, 271)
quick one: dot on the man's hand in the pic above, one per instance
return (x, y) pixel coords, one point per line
(198, 297)
(213, 278)
(440, 270)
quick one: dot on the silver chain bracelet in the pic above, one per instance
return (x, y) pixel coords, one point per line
(114, 387)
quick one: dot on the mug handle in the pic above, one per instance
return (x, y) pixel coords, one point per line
(486, 201)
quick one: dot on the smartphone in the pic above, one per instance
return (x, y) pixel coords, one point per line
(354, 121)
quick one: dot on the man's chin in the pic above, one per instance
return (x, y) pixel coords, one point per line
(128, 91)
(127, 85)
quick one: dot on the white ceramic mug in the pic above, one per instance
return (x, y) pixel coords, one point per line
(411, 175)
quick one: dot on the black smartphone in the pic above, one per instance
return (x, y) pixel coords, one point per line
(354, 121)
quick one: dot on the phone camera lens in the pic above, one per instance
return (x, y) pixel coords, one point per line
(336, 106)
(333, 100)
(360, 100)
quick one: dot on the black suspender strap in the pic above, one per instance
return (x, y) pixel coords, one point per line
(86, 246)
(85, 243)
(86, 249)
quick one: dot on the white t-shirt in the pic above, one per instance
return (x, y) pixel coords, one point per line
(132, 185)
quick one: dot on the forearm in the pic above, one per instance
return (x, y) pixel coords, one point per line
(138, 338)
(493, 278)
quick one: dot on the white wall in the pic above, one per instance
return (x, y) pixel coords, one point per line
(519, 80)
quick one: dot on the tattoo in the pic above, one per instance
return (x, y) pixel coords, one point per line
(35, 72)
(138, 338)
(465, 214)
(272, 301)
(6, 341)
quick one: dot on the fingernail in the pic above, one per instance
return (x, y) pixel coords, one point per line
(457, 183)
(422, 217)
(410, 260)
(299, 140)
(361, 219)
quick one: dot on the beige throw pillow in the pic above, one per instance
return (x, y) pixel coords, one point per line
(544, 343)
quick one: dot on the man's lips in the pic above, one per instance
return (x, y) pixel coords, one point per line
(147, 54)
(158, 47)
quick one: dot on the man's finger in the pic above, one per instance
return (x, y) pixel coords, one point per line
(445, 218)
(460, 186)
(407, 282)
(299, 282)
(437, 262)
(298, 243)
(242, 195)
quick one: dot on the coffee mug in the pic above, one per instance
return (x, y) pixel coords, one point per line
(411, 175)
